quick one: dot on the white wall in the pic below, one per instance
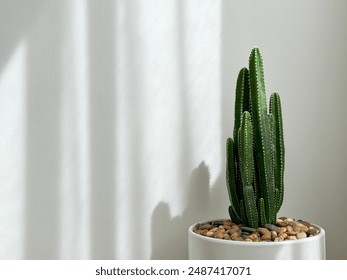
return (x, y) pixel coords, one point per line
(114, 116)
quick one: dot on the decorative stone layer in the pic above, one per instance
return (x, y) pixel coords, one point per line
(284, 229)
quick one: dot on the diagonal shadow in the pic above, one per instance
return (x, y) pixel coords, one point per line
(43, 135)
(17, 18)
(101, 30)
(169, 234)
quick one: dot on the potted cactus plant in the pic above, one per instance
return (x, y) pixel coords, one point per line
(255, 183)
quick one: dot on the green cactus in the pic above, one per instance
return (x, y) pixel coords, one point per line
(255, 155)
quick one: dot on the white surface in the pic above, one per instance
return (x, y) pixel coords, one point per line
(114, 117)
(205, 248)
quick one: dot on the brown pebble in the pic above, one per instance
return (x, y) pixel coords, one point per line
(266, 237)
(300, 224)
(264, 231)
(291, 238)
(289, 228)
(312, 231)
(235, 227)
(282, 224)
(254, 237)
(219, 235)
(214, 229)
(221, 229)
(297, 229)
(248, 240)
(282, 238)
(206, 226)
(282, 230)
(292, 224)
(273, 235)
(305, 223)
(301, 235)
(209, 233)
(235, 235)
(304, 228)
(204, 231)
(226, 236)
(291, 233)
(283, 235)
(232, 230)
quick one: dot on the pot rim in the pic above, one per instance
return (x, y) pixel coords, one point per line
(243, 243)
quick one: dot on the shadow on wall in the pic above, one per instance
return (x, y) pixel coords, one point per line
(41, 26)
(169, 238)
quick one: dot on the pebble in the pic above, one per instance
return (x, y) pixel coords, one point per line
(235, 235)
(282, 224)
(266, 237)
(226, 236)
(254, 237)
(272, 228)
(291, 238)
(283, 235)
(285, 229)
(273, 235)
(304, 223)
(219, 235)
(264, 231)
(214, 229)
(301, 235)
(206, 226)
(312, 231)
(248, 229)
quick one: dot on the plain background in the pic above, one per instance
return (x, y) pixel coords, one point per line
(114, 117)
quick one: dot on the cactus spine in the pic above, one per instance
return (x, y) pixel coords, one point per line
(255, 155)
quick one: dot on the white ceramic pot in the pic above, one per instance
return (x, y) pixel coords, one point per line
(207, 248)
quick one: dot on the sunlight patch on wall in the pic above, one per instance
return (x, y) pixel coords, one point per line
(75, 183)
(12, 150)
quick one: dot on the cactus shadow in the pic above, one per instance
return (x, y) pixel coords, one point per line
(169, 234)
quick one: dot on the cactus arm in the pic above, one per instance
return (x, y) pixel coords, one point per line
(235, 218)
(247, 168)
(250, 206)
(246, 150)
(242, 103)
(271, 120)
(242, 211)
(262, 216)
(261, 131)
(230, 176)
(276, 111)
(241, 98)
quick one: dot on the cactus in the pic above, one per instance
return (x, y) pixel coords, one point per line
(255, 154)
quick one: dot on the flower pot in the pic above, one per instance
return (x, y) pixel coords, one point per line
(207, 248)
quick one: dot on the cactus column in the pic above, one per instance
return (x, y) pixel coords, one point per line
(255, 157)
